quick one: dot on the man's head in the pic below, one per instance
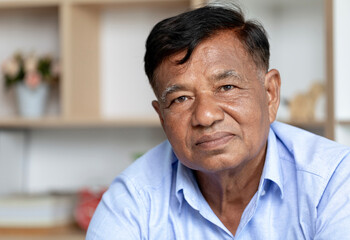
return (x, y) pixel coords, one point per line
(186, 31)
(216, 98)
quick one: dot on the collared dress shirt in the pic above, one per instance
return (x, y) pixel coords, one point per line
(304, 193)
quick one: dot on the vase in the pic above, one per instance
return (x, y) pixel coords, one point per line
(31, 101)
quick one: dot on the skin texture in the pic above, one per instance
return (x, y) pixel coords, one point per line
(216, 110)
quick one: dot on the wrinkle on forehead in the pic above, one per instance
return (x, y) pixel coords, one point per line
(223, 74)
(168, 67)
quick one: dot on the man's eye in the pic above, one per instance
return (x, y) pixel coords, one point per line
(227, 87)
(180, 99)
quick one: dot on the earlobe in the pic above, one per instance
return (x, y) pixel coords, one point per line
(272, 86)
(156, 106)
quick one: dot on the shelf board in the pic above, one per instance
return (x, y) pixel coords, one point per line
(344, 122)
(56, 233)
(306, 124)
(48, 3)
(107, 2)
(28, 3)
(10, 123)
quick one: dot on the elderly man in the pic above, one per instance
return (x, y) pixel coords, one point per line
(227, 171)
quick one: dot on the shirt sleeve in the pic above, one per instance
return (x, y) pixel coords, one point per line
(120, 215)
(333, 221)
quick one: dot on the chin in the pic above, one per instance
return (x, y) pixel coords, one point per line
(214, 164)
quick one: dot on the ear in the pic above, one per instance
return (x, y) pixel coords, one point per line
(272, 87)
(156, 107)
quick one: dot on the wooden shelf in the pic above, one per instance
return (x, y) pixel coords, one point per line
(317, 127)
(78, 122)
(313, 123)
(108, 2)
(59, 233)
(343, 122)
(308, 124)
(28, 3)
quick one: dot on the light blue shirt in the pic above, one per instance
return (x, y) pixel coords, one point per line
(304, 193)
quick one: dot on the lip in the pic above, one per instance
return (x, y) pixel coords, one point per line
(214, 140)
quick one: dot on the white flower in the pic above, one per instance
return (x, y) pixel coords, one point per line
(10, 67)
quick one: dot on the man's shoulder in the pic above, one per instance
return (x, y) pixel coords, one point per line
(151, 169)
(311, 154)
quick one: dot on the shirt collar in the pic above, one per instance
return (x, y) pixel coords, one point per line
(187, 187)
(272, 168)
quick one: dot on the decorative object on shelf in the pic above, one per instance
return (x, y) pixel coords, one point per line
(87, 204)
(309, 106)
(31, 76)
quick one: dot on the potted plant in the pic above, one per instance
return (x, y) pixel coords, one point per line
(31, 77)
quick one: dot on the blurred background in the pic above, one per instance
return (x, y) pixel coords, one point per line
(75, 104)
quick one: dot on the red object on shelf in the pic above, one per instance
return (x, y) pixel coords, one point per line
(87, 204)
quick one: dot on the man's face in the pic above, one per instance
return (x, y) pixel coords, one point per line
(216, 108)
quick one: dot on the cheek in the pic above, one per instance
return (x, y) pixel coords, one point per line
(176, 128)
(245, 108)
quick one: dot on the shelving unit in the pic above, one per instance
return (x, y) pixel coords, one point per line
(80, 101)
(59, 233)
(79, 35)
(79, 40)
(28, 3)
(56, 123)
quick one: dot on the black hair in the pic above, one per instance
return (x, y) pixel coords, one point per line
(189, 29)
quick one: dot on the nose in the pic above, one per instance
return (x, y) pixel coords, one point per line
(206, 111)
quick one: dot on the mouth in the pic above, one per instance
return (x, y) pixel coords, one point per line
(214, 140)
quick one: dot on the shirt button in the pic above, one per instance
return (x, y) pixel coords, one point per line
(263, 193)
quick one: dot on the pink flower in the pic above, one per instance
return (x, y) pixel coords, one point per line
(32, 79)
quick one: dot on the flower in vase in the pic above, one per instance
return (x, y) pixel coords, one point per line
(32, 70)
(32, 79)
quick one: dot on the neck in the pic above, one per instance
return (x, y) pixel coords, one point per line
(224, 188)
(229, 192)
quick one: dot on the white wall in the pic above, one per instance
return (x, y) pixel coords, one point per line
(342, 133)
(341, 59)
(12, 162)
(67, 160)
(125, 88)
(341, 43)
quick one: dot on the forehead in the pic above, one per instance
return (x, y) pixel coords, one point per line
(223, 51)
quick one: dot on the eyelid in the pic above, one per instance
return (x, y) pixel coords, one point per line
(226, 85)
(182, 96)
(173, 100)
